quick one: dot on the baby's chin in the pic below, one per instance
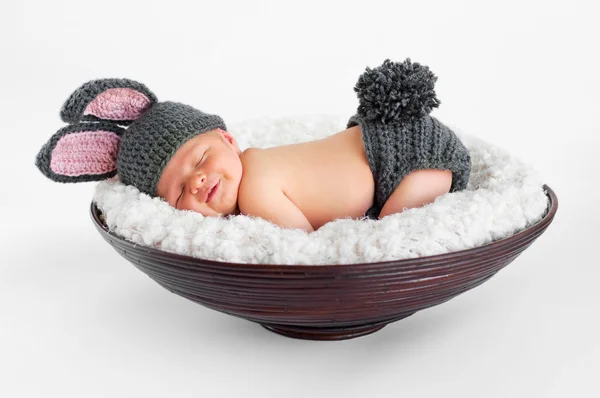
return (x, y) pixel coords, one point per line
(234, 211)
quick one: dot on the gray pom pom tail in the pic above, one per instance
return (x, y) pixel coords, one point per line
(396, 92)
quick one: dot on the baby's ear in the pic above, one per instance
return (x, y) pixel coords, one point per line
(81, 152)
(118, 100)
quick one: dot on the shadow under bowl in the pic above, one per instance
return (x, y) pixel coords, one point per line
(326, 302)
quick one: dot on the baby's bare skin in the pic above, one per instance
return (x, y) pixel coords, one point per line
(325, 179)
(303, 185)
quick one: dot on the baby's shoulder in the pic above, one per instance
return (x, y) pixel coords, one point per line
(254, 163)
(258, 174)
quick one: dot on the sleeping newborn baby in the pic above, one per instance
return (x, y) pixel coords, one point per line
(392, 155)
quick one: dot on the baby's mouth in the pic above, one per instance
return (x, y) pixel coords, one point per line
(213, 191)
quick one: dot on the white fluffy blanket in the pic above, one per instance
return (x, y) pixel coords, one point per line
(504, 195)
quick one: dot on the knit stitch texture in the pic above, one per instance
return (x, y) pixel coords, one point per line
(395, 150)
(398, 133)
(152, 140)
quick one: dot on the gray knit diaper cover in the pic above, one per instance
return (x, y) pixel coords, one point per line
(398, 133)
(394, 151)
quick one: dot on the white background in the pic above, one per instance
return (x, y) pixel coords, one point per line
(78, 320)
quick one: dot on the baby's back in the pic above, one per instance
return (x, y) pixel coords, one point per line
(325, 179)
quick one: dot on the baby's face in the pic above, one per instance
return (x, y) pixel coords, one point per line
(203, 161)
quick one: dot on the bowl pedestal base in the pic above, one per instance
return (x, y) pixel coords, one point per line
(329, 333)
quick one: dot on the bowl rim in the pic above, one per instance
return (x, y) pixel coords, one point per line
(307, 269)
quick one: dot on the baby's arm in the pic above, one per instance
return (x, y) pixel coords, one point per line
(260, 195)
(273, 205)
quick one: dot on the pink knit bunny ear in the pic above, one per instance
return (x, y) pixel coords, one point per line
(117, 100)
(81, 152)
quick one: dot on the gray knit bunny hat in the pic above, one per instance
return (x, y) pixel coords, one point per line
(97, 145)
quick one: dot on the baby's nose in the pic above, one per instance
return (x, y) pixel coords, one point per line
(196, 183)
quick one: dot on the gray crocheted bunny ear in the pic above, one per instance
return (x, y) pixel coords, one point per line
(81, 152)
(118, 100)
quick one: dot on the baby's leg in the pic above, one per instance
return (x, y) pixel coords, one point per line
(418, 188)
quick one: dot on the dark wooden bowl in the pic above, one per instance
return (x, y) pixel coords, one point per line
(326, 302)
